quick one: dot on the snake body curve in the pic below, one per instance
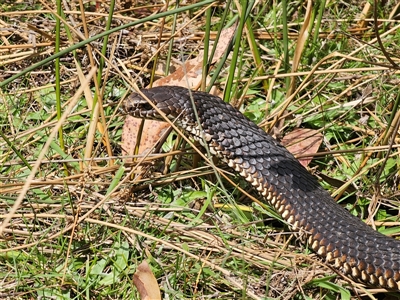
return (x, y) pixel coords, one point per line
(344, 241)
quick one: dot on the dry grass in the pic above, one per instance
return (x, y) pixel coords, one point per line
(77, 220)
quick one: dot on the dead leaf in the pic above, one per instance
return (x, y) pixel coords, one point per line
(303, 141)
(190, 74)
(146, 283)
(154, 131)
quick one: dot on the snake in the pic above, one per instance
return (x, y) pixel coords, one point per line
(342, 240)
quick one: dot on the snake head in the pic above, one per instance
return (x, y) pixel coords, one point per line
(165, 98)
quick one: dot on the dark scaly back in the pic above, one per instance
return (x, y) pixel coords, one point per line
(342, 239)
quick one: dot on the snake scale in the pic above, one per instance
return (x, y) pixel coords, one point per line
(341, 239)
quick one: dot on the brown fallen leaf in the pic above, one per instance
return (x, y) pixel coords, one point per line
(190, 73)
(146, 283)
(302, 141)
(154, 131)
